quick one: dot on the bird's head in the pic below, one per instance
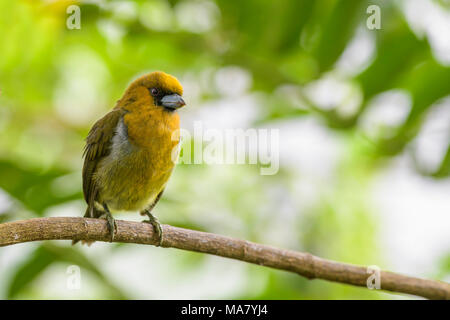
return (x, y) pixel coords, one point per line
(158, 90)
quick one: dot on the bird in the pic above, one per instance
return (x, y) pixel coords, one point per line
(130, 152)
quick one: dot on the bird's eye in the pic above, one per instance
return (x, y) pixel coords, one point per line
(154, 91)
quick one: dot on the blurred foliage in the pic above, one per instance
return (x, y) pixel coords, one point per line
(45, 255)
(55, 82)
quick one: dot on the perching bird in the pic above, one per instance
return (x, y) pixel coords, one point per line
(129, 153)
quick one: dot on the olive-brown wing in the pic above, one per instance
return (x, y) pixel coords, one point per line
(98, 145)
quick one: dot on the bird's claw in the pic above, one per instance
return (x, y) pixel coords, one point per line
(112, 226)
(156, 227)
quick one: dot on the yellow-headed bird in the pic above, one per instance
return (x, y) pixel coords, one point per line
(128, 157)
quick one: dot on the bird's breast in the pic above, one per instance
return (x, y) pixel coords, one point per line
(143, 154)
(155, 135)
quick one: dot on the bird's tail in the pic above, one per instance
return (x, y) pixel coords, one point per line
(95, 214)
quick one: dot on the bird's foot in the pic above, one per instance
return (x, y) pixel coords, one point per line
(156, 226)
(112, 225)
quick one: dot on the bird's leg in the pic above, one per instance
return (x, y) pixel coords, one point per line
(155, 223)
(112, 226)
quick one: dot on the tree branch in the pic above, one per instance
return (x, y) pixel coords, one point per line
(301, 263)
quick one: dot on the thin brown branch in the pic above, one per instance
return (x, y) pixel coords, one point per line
(301, 263)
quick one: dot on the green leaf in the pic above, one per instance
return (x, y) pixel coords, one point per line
(32, 187)
(48, 253)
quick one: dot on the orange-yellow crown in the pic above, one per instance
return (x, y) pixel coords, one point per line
(160, 80)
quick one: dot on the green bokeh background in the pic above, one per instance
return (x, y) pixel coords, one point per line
(55, 82)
